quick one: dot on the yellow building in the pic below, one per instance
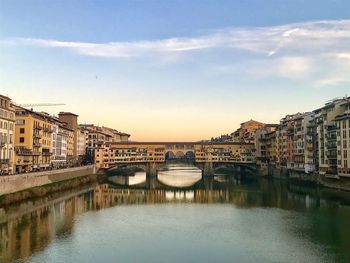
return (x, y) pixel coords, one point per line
(33, 140)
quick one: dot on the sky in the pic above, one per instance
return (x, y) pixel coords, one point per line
(175, 70)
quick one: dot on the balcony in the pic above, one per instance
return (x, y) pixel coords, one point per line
(4, 161)
(331, 154)
(331, 128)
(331, 146)
(37, 136)
(331, 137)
(37, 144)
(23, 151)
(37, 127)
(49, 130)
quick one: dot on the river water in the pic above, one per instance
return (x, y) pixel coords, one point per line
(180, 217)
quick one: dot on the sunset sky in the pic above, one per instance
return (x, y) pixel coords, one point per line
(175, 70)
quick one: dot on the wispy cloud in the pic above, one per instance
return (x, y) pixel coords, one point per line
(316, 52)
(311, 37)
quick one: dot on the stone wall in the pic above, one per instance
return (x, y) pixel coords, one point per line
(285, 173)
(20, 182)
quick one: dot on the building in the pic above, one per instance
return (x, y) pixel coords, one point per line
(265, 144)
(97, 135)
(81, 144)
(72, 126)
(33, 140)
(325, 121)
(303, 159)
(343, 139)
(246, 132)
(72, 158)
(7, 129)
(59, 145)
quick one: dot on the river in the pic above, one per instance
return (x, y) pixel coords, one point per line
(180, 217)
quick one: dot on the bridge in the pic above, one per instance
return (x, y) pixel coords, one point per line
(152, 156)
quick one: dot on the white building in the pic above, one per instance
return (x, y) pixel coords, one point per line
(59, 146)
(7, 127)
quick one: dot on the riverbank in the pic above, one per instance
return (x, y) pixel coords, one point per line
(48, 191)
(16, 183)
(313, 178)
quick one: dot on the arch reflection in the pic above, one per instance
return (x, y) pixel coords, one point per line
(180, 175)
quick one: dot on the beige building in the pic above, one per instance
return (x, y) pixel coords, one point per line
(265, 144)
(343, 139)
(303, 145)
(7, 130)
(97, 135)
(82, 138)
(72, 158)
(246, 133)
(72, 126)
(327, 135)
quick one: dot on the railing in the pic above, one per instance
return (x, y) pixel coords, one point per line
(48, 130)
(38, 136)
(4, 161)
(38, 127)
(23, 151)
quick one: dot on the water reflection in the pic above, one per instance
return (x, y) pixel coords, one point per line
(319, 216)
(29, 227)
(137, 178)
(180, 176)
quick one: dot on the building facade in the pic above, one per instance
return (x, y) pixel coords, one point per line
(343, 140)
(33, 140)
(246, 132)
(97, 135)
(7, 130)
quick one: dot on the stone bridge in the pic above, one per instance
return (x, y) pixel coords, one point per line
(152, 156)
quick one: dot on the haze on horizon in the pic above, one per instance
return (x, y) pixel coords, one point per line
(175, 70)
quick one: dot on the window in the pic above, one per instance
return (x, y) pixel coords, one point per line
(21, 139)
(21, 130)
(20, 122)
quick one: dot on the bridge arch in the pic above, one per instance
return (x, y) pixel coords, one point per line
(169, 155)
(115, 170)
(190, 155)
(237, 167)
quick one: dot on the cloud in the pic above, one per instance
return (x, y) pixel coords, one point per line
(313, 37)
(316, 53)
(344, 55)
(332, 82)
